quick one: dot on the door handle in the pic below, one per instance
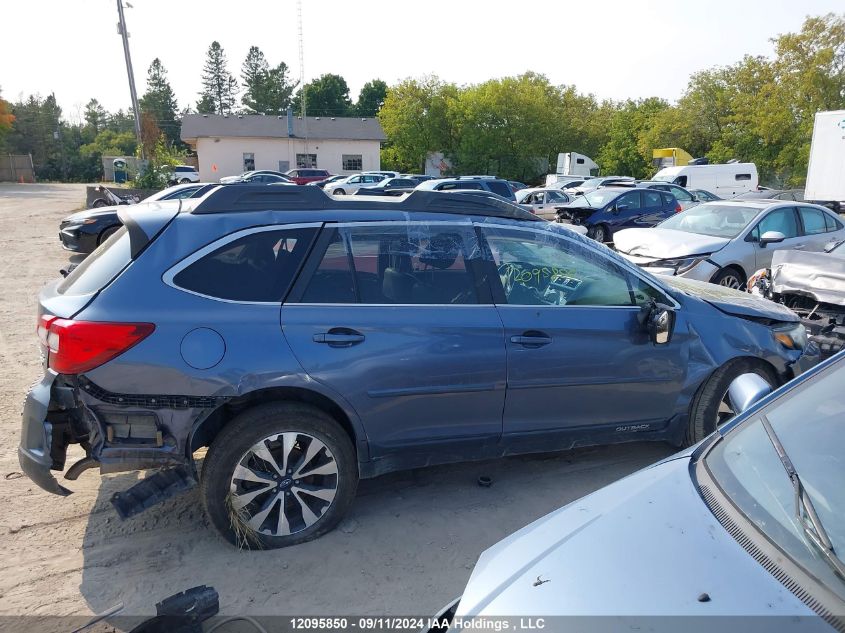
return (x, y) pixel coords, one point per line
(532, 339)
(339, 337)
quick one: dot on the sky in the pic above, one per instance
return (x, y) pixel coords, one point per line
(614, 49)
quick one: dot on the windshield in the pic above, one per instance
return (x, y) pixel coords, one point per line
(809, 421)
(715, 220)
(592, 182)
(597, 198)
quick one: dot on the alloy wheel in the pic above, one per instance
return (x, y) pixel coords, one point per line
(284, 484)
(730, 281)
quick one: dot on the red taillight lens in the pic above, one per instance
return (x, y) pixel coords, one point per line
(678, 208)
(79, 346)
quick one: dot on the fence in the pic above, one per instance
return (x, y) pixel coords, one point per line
(17, 168)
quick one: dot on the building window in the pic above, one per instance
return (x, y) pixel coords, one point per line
(306, 161)
(353, 162)
(249, 161)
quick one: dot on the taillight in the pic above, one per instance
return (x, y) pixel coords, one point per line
(79, 346)
(678, 207)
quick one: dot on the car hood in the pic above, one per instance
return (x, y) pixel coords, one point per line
(731, 301)
(91, 213)
(646, 545)
(665, 243)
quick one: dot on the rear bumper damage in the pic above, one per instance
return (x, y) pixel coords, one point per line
(38, 452)
(118, 432)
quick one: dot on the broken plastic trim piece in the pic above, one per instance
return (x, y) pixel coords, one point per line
(153, 490)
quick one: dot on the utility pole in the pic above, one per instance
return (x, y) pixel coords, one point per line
(121, 28)
(302, 80)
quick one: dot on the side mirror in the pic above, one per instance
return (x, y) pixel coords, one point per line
(746, 390)
(771, 237)
(659, 322)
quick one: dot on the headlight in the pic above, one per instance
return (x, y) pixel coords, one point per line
(681, 265)
(792, 336)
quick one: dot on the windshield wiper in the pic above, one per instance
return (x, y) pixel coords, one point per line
(815, 531)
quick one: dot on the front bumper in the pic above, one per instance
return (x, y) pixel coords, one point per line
(34, 453)
(703, 271)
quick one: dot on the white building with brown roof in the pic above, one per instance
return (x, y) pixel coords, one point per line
(230, 145)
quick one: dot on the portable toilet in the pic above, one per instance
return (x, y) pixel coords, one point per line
(119, 167)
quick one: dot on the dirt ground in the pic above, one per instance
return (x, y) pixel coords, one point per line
(408, 545)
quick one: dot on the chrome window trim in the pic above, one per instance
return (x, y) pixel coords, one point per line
(174, 270)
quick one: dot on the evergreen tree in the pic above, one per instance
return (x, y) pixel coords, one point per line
(219, 87)
(266, 90)
(254, 74)
(159, 101)
(95, 115)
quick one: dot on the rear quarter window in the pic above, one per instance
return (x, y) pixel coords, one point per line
(257, 267)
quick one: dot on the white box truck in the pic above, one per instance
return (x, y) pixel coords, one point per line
(570, 166)
(725, 180)
(826, 169)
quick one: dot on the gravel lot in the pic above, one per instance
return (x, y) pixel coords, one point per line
(408, 545)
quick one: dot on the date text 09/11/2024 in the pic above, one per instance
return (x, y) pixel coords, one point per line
(398, 624)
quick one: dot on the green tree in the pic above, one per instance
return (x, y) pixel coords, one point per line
(327, 95)
(95, 115)
(219, 87)
(415, 118)
(371, 98)
(159, 101)
(266, 90)
(625, 153)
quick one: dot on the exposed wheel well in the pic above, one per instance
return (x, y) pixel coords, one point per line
(205, 432)
(735, 267)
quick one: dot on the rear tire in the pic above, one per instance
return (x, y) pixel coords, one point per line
(303, 441)
(98, 203)
(107, 234)
(729, 277)
(599, 233)
(709, 409)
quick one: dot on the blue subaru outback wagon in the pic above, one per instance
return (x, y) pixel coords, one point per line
(310, 341)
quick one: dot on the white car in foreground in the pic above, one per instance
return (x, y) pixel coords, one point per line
(743, 532)
(724, 242)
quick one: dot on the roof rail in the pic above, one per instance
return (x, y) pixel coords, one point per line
(238, 198)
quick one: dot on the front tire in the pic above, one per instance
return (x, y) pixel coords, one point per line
(99, 203)
(711, 407)
(279, 474)
(338, 192)
(185, 181)
(107, 234)
(600, 233)
(729, 278)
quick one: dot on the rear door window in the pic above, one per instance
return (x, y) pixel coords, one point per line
(652, 199)
(407, 264)
(256, 267)
(813, 220)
